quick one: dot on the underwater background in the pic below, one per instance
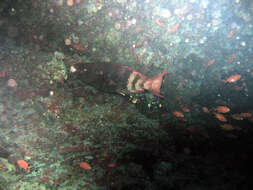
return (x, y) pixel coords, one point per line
(126, 94)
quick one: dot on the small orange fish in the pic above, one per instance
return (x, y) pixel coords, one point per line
(237, 117)
(233, 78)
(85, 165)
(23, 164)
(3, 72)
(78, 1)
(185, 108)
(78, 47)
(205, 109)
(111, 164)
(222, 109)
(210, 62)
(174, 29)
(2, 166)
(231, 59)
(70, 2)
(245, 115)
(52, 107)
(227, 127)
(237, 88)
(220, 117)
(230, 34)
(178, 114)
(159, 23)
(180, 84)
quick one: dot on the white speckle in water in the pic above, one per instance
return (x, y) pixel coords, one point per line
(201, 41)
(165, 13)
(243, 43)
(177, 11)
(133, 21)
(204, 4)
(189, 17)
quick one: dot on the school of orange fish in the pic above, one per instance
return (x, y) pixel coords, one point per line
(220, 111)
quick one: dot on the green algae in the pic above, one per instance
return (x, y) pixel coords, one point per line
(56, 69)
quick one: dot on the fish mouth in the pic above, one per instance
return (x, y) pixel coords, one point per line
(154, 84)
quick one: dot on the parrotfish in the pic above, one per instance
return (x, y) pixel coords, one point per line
(112, 77)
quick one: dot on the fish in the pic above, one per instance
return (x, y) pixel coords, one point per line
(185, 108)
(85, 165)
(78, 47)
(230, 34)
(159, 23)
(70, 3)
(245, 115)
(227, 127)
(231, 59)
(178, 114)
(111, 165)
(241, 116)
(210, 62)
(3, 72)
(222, 109)
(232, 78)
(78, 1)
(174, 29)
(205, 109)
(220, 117)
(23, 164)
(180, 84)
(116, 78)
(237, 117)
(237, 88)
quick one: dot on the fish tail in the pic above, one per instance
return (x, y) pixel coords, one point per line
(154, 84)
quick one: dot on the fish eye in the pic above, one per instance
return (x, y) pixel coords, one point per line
(73, 69)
